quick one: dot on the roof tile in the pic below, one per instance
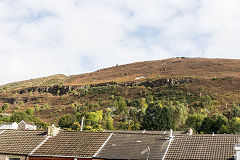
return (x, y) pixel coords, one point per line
(202, 147)
(76, 144)
(19, 141)
(130, 146)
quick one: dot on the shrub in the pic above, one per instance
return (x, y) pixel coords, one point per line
(5, 106)
(29, 111)
(66, 121)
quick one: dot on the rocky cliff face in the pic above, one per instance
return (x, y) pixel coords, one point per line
(166, 82)
(60, 90)
(18, 100)
(55, 90)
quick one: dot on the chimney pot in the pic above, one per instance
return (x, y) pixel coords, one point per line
(190, 131)
(171, 133)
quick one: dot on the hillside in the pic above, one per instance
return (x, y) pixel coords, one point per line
(124, 92)
(167, 68)
(173, 67)
(43, 81)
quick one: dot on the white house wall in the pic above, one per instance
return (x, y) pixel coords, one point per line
(11, 126)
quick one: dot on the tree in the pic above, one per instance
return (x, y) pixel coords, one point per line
(91, 119)
(19, 116)
(236, 111)
(99, 116)
(109, 122)
(207, 125)
(122, 105)
(180, 114)
(216, 124)
(66, 121)
(133, 113)
(220, 123)
(234, 125)
(157, 118)
(194, 121)
(150, 120)
(39, 123)
(165, 119)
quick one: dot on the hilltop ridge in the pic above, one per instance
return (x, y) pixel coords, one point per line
(165, 68)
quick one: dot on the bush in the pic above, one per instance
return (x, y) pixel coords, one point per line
(66, 121)
(194, 121)
(234, 125)
(5, 106)
(109, 122)
(19, 116)
(29, 111)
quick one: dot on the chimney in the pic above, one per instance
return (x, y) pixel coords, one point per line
(171, 133)
(237, 150)
(52, 130)
(190, 131)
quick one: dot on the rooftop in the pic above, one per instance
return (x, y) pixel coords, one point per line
(19, 141)
(29, 123)
(146, 132)
(73, 144)
(7, 123)
(203, 146)
(134, 146)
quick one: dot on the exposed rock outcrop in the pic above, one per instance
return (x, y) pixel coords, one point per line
(61, 90)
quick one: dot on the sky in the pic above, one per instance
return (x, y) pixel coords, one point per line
(46, 37)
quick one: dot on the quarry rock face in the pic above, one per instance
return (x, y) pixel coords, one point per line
(55, 90)
(61, 90)
(165, 82)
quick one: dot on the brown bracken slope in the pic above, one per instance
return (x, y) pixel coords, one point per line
(165, 68)
(173, 67)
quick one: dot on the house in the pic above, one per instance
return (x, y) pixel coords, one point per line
(70, 145)
(53, 144)
(9, 125)
(19, 144)
(26, 126)
(127, 145)
(204, 146)
(21, 125)
(56, 144)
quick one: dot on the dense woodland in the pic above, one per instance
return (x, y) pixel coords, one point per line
(106, 107)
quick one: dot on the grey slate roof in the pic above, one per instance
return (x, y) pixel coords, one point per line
(73, 144)
(19, 141)
(130, 146)
(202, 147)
